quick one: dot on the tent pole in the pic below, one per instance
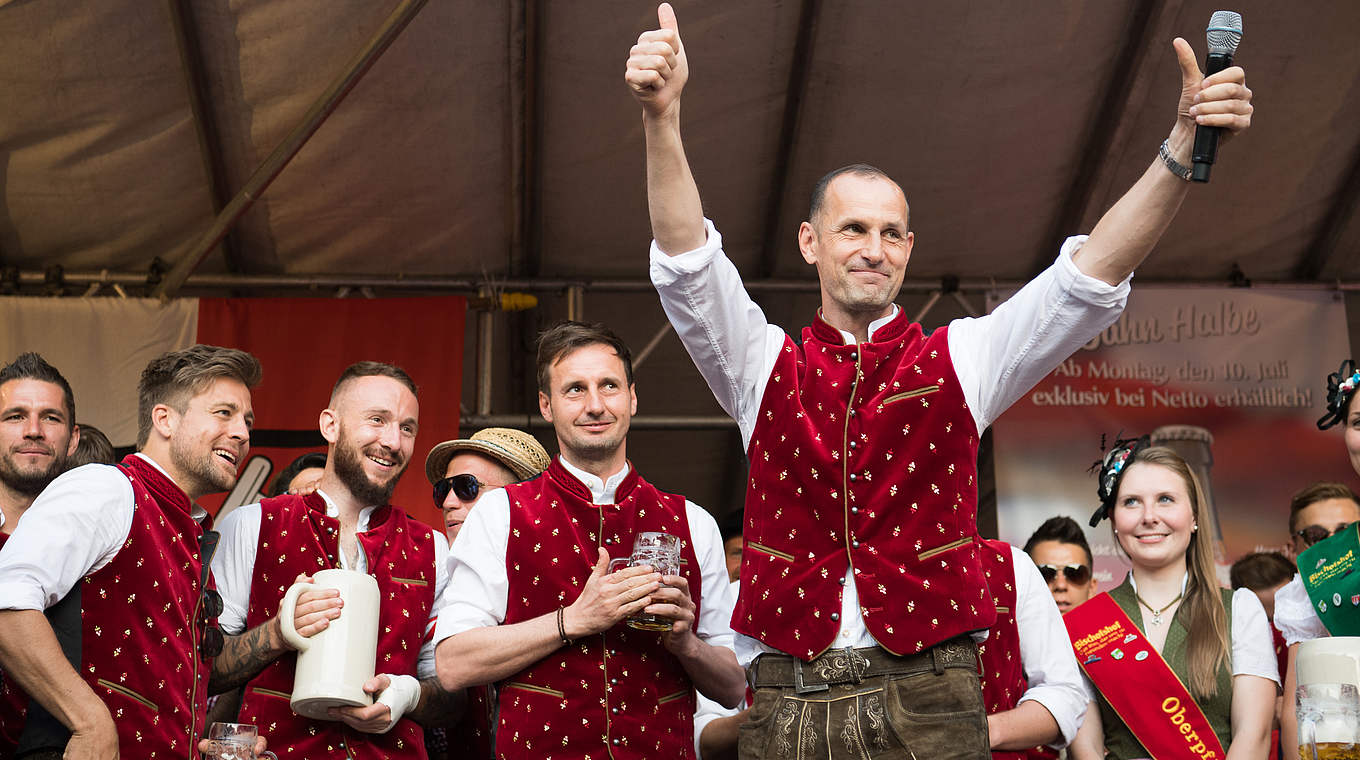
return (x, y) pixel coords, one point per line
(266, 173)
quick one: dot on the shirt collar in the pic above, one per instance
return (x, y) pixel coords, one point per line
(333, 511)
(849, 338)
(601, 491)
(199, 514)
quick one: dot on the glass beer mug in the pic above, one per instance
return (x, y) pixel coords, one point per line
(662, 552)
(1329, 721)
(234, 741)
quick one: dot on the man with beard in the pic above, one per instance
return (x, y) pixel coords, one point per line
(533, 606)
(130, 540)
(37, 434)
(347, 523)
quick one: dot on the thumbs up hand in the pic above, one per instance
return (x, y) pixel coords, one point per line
(657, 67)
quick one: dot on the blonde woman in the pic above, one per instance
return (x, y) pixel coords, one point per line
(1180, 667)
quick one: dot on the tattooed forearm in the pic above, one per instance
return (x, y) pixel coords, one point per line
(244, 656)
(438, 707)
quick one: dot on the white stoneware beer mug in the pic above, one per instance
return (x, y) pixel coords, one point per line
(1329, 698)
(662, 552)
(234, 741)
(333, 665)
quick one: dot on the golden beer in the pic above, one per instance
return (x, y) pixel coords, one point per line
(1331, 751)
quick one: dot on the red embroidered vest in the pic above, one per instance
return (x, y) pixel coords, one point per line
(863, 456)
(296, 536)
(13, 706)
(619, 694)
(141, 624)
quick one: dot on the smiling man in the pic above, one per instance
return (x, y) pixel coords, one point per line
(145, 649)
(861, 505)
(370, 424)
(531, 603)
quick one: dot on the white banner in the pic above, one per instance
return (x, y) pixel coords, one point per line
(1232, 378)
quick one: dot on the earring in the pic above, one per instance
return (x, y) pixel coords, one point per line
(1194, 528)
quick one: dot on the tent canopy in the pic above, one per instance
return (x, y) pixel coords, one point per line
(497, 140)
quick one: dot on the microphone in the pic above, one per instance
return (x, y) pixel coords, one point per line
(1224, 33)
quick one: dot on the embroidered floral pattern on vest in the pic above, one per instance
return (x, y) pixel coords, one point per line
(296, 536)
(619, 694)
(862, 456)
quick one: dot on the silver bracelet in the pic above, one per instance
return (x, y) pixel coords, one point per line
(1172, 164)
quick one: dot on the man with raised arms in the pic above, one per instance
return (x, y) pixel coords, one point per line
(862, 558)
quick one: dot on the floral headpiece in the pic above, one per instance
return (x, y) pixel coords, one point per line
(1111, 472)
(1340, 387)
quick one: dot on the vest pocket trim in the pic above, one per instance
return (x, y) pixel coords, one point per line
(129, 693)
(1003, 610)
(772, 552)
(537, 689)
(952, 545)
(913, 393)
(673, 697)
(412, 581)
(271, 693)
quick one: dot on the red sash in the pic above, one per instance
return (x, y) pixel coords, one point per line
(1127, 670)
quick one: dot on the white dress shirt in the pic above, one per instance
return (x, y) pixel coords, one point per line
(997, 358)
(1294, 614)
(75, 527)
(233, 568)
(479, 588)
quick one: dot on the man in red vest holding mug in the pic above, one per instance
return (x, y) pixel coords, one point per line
(531, 603)
(862, 558)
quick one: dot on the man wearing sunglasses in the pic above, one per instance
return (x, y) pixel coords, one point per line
(130, 539)
(462, 470)
(532, 606)
(1060, 550)
(370, 425)
(1321, 510)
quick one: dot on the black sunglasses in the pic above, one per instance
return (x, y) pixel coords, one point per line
(1315, 533)
(210, 602)
(465, 487)
(1077, 575)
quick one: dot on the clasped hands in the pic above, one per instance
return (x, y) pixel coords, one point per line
(609, 598)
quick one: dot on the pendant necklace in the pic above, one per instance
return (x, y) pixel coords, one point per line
(1157, 614)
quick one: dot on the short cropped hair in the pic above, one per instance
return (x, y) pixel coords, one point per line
(567, 336)
(175, 377)
(93, 448)
(31, 366)
(307, 461)
(1064, 530)
(373, 369)
(867, 171)
(1261, 571)
(1320, 491)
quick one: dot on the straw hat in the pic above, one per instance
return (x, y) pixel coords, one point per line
(519, 451)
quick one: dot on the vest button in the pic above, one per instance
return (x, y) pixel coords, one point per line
(614, 681)
(852, 412)
(854, 510)
(852, 476)
(855, 543)
(835, 616)
(606, 540)
(841, 580)
(853, 444)
(614, 710)
(614, 741)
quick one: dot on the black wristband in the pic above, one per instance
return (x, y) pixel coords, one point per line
(562, 627)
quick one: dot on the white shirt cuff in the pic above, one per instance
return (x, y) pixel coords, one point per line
(1088, 289)
(667, 269)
